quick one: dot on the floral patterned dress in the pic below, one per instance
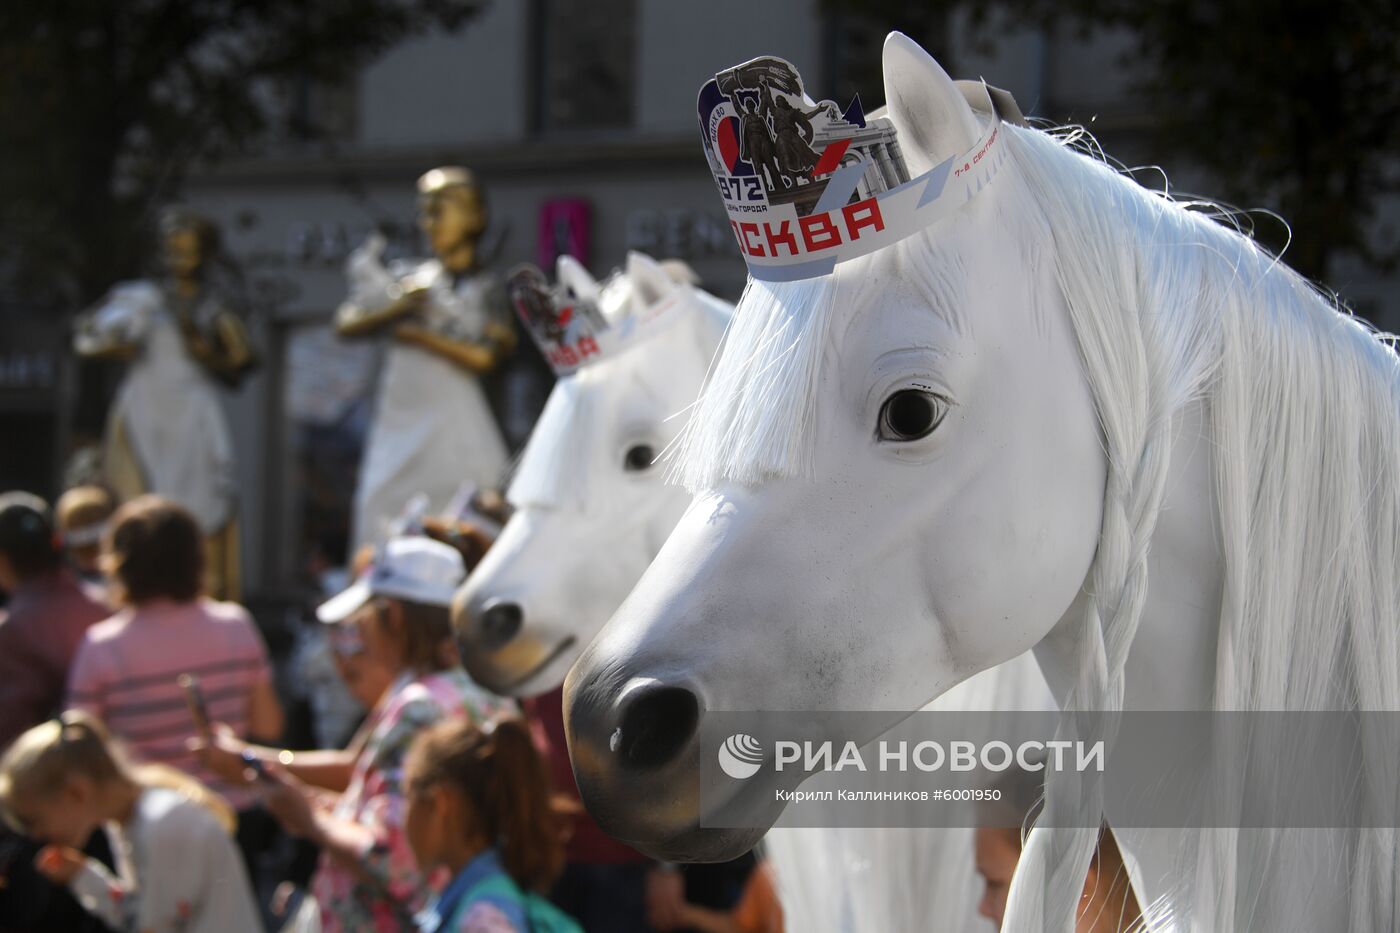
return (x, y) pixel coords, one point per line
(375, 800)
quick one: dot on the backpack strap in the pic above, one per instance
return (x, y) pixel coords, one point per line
(541, 915)
(497, 888)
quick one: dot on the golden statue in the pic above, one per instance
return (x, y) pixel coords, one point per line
(166, 431)
(432, 428)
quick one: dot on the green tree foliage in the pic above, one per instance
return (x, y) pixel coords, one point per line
(1291, 105)
(105, 105)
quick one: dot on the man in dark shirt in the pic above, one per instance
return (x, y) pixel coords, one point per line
(48, 613)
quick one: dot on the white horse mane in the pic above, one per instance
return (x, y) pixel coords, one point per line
(1169, 308)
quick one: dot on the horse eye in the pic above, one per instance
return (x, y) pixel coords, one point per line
(638, 458)
(910, 414)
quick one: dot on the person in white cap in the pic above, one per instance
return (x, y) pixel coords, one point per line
(367, 878)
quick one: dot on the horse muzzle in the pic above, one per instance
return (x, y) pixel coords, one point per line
(497, 648)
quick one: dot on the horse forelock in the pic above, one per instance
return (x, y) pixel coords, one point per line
(552, 469)
(755, 419)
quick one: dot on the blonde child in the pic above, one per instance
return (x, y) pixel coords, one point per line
(178, 870)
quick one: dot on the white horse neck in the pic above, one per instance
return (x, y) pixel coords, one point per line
(1172, 662)
(1172, 666)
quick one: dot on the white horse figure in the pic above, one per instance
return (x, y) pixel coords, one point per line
(587, 487)
(1072, 416)
(592, 507)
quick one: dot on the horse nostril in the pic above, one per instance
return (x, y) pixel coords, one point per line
(500, 622)
(656, 724)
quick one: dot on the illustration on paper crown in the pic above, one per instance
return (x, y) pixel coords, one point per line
(808, 185)
(770, 137)
(568, 329)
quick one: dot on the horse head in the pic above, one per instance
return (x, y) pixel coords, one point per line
(899, 482)
(592, 508)
(1058, 411)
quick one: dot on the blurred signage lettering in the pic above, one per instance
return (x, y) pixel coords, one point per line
(27, 370)
(328, 243)
(679, 234)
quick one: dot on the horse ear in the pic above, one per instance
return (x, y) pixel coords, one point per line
(681, 272)
(573, 276)
(929, 112)
(650, 283)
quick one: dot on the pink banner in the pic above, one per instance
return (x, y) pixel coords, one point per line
(565, 227)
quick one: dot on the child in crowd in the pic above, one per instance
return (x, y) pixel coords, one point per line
(178, 869)
(82, 514)
(479, 806)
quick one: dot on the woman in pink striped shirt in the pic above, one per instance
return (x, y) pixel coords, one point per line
(127, 667)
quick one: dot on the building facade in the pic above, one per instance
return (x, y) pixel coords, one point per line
(580, 121)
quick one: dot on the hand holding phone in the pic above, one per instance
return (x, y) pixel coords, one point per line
(194, 699)
(251, 759)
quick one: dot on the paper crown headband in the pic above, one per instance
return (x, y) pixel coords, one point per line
(570, 329)
(807, 186)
